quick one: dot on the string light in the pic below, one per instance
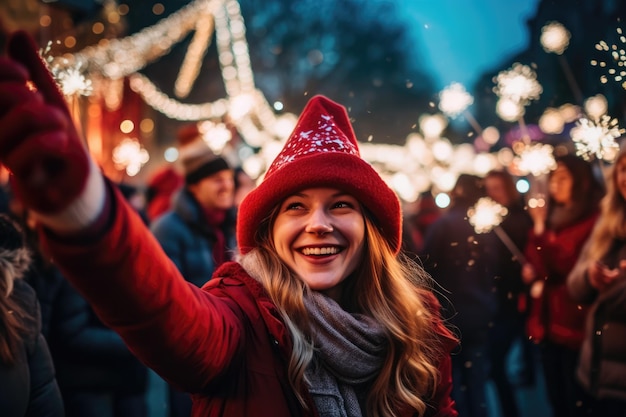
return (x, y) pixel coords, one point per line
(616, 68)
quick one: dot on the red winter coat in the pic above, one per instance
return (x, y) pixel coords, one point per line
(556, 316)
(225, 343)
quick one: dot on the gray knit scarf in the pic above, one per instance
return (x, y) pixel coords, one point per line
(349, 353)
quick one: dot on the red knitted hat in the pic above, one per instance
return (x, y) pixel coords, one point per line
(322, 151)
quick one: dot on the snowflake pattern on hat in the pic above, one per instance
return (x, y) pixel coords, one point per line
(326, 138)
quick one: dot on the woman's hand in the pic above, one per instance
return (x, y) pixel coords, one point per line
(600, 276)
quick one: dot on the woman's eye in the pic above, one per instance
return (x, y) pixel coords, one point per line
(293, 206)
(342, 204)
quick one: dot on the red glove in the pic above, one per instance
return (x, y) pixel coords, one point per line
(38, 142)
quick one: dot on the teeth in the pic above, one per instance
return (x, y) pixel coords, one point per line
(320, 251)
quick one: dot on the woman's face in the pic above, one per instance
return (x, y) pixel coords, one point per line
(320, 233)
(496, 190)
(560, 185)
(620, 176)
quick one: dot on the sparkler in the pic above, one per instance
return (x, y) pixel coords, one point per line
(70, 76)
(616, 68)
(536, 159)
(454, 100)
(596, 138)
(555, 39)
(517, 86)
(486, 215)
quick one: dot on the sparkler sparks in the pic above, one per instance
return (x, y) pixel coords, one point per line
(518, 84)
(616, 68)
(69, 76)
(453, 100)
(555, 38)
(596, 138)
(486, 214)
(535, 159)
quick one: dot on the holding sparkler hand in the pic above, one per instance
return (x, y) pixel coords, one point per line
(51, 169)
(601, 276)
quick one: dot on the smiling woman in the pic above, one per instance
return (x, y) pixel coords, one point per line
(282, 331)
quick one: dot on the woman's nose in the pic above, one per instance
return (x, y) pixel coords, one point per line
(319, 222)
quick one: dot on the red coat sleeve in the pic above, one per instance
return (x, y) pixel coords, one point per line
(185, 334)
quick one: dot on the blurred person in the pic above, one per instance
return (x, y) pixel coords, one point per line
(97, 374)
(198, 232)
(28, 387)
(599, 280)
(320, 316)
(508, 328)
(462, 262)
(555, 320)
(416, 223)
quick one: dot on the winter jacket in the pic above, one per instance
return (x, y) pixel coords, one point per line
(225, 343)
(28, 388)
(188, 239)
(602, 363)
(462, 262)
(555, 316)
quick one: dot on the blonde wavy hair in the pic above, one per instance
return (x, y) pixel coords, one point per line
(15, 259)
(391, 288)
(611, 223)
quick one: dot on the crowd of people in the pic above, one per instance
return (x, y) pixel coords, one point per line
(311, 293)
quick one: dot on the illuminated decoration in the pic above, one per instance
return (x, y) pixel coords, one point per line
(535, 159)
(216, 135)
(596, 139)
(487, 215)
(193, 59)
(130, 156)
(554, 38)
(616, 68)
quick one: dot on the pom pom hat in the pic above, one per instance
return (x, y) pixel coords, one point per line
(322, 151)
(197, 158)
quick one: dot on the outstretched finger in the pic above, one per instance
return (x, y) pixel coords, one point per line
(23, 49)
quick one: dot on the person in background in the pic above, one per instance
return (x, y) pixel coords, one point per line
(28, 387)
(96, 373)
(555, 321)
(599, 280)
(198, 232)
(509, 323)
(416, 223)
(462, 262)
(320, 315)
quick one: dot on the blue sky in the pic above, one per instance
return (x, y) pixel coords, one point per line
(462, 38)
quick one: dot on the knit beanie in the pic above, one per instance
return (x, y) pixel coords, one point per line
(322, 151)
(197, 159)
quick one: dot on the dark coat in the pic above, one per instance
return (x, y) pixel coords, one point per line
(188, 239)
(89, 357)
(226, 343)
(463, 263)
(602, 364)
(555, 316)
(28, 388)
